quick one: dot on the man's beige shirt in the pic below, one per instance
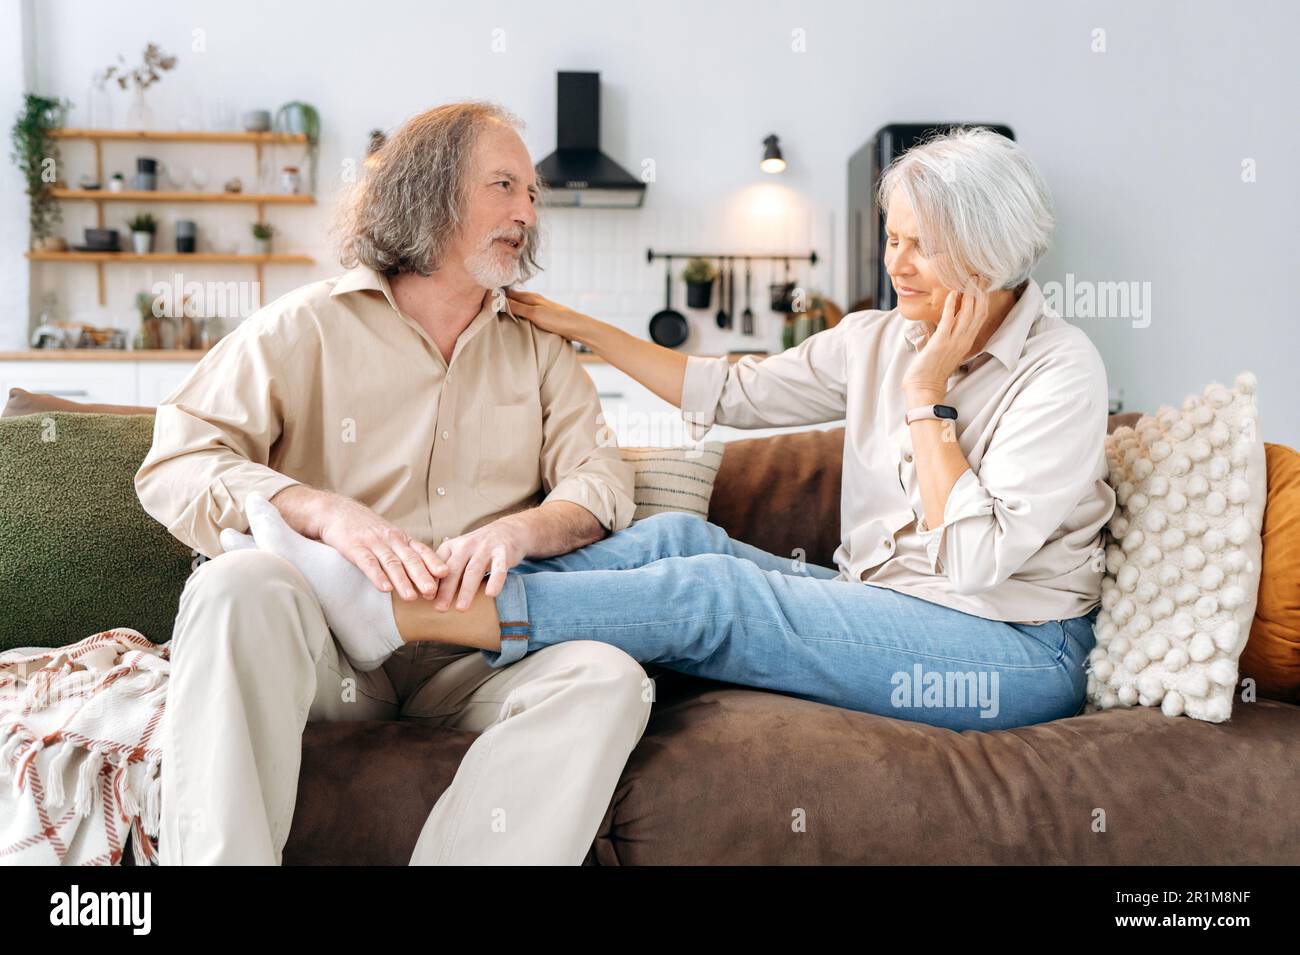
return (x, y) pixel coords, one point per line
(333, 387)
(1021, 538)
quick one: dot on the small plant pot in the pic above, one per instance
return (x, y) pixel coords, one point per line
(782, 296)
(699, 294)
(51, 243)
(261, 246)
(142, 242)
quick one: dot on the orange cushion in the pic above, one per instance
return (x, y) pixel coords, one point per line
(1272, 655)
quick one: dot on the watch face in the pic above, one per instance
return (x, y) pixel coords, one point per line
(945, 411)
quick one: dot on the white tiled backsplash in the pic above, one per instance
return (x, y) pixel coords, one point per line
(595, 261)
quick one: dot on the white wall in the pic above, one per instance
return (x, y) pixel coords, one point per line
(17, 73)
(1142, 143)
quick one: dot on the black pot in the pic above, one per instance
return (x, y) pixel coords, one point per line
(185, 243)
(699, 294)
(146, 164)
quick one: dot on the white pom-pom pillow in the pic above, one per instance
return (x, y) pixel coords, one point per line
(1182, 556)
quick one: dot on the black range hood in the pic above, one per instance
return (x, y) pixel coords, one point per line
(578, 173)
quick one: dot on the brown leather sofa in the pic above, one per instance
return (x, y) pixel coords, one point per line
(726, 774)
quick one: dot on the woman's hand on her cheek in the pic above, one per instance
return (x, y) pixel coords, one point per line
(944, 351)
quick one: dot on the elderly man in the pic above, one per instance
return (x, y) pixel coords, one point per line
(402, 415)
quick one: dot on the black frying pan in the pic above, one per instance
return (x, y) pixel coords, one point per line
(668, 327)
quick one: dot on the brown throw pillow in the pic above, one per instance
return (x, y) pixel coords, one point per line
(782, 492)
(29, 402)
(1272, 655)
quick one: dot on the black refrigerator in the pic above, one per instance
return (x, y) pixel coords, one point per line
(869, 285)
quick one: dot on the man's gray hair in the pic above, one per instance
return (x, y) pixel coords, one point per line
(980, 205)
(410, 202)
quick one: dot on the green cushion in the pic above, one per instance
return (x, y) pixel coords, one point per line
(77, 552)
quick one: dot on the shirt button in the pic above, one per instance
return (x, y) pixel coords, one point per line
(442, 492)
(889, 543)
(446, 435)
(907, 456)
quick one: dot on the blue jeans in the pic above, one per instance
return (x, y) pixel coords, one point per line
(676, 591)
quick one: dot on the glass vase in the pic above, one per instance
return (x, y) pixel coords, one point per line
(139, 115)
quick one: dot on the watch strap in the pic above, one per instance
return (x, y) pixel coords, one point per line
(930, 411)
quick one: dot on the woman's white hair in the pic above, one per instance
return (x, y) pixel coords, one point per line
(980, 206)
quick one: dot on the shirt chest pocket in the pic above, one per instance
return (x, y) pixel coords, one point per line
(510, 448)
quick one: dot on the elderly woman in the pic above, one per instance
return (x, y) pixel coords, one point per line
(969, 570)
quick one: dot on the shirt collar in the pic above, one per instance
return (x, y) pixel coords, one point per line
(363, 278)
(1008, 342)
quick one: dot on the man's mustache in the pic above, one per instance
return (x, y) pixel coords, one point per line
(519, 236)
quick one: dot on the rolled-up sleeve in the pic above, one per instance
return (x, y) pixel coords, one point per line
(801, 385)
(212, 439)
(1033, 475)
(580, 460)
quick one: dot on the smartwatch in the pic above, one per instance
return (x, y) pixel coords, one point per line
(930, 411)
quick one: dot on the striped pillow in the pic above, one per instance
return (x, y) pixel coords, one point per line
(674, 479)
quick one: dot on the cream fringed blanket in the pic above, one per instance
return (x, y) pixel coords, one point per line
(80, 750)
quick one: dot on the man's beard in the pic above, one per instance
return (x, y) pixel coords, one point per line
(493, 267)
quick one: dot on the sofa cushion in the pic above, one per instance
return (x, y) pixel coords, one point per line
(781, 493)
(1272, 657)
(78, 554)
(1182, 556)
(673, 479)
(730, 775)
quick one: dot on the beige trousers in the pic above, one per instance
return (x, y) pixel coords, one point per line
(253, 661)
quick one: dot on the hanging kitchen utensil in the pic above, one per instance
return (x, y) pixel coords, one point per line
(731, 293)
(721, 317)
(747, 316)
(783, 293)
(668, 327)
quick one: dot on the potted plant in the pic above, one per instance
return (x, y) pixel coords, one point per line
(699, 275)
(262, 232)
(299, 119)
(143, 227)
(36, 154)
(117, 183)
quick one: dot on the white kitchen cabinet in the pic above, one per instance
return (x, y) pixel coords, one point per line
(93, 382)
(155, 380)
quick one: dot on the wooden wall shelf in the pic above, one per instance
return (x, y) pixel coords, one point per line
(97, 137)
(131, 195)
(103, 354)
(180, 136)
(199, 258)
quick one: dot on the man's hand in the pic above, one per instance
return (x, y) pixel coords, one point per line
(492, 549)
(388, 556)
(551, 528)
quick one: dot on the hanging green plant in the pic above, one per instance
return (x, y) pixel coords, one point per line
(37, 156)
(301, 118)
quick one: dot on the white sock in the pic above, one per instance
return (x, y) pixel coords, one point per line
(359, 614)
